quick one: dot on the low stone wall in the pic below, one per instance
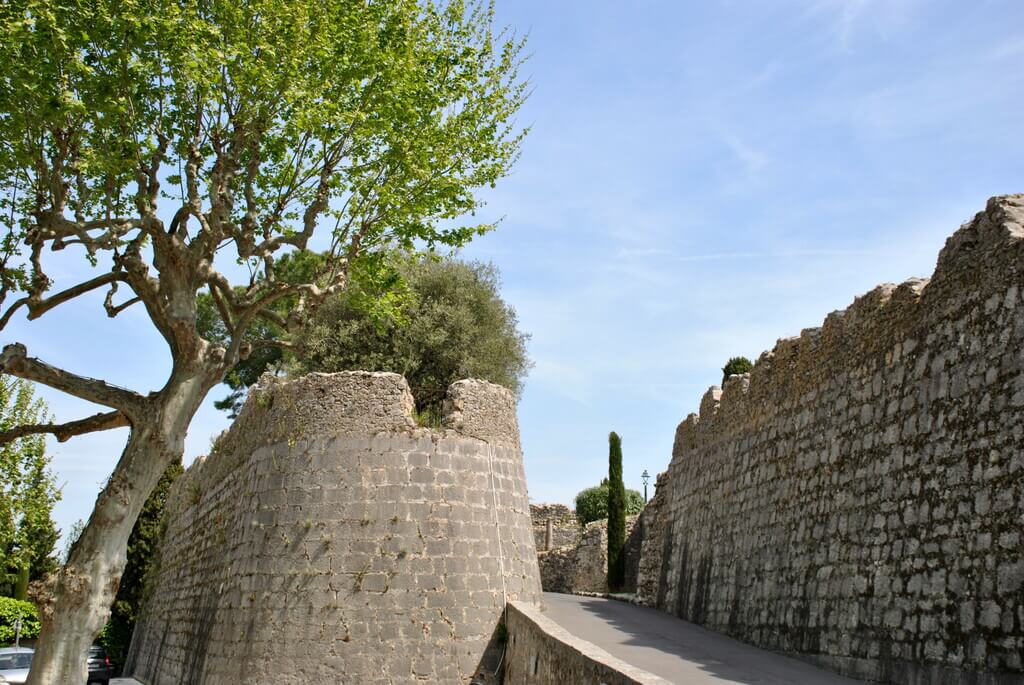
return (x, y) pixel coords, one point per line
(858, 498)
(328, 539)
(557, 568)
(540, 651)
(565, 527)
(583, 566)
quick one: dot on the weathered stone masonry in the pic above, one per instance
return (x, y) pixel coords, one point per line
(560, 520)
(327, 539)
(581, 566)
(858, 498)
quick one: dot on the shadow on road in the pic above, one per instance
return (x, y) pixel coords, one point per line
(677, 650)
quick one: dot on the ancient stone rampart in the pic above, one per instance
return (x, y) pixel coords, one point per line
(858, 497)
(328, 539)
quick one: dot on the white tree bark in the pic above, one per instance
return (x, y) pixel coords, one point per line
(80, 595)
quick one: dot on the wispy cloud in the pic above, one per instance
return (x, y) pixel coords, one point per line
(752, 159)
(1008, 49)
(849, 19)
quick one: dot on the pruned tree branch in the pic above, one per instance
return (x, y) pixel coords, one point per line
(38, 306)
(65, 431)
(273, 342)
(115, 309)
(15, 360)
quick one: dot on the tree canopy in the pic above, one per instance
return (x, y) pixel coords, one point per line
(253, 124)
(27, 492)
(446, 321)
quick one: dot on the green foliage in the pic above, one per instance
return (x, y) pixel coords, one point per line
(736, 366)
(294, 267)
(10, 609)
(616, 515)
(403, 107)
(444, 321)
(592, 503)
(142, 546)
(27, 493)
(452, 324)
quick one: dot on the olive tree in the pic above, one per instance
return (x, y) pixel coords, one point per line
(446, 321)
(185, 146)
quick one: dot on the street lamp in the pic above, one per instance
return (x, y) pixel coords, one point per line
(645, 476)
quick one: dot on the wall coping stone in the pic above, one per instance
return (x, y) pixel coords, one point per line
(587, 650)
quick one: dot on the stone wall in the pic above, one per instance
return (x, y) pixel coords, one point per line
(540, 651)
(631, 552)
(565, 527)
(583, 566)
(557, 569)
(858, 497)
(327, 539)
(652, 525)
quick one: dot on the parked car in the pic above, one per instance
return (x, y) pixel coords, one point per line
(14, 664)
(100, 669)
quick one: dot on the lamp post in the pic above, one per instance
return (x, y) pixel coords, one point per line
(645, 476)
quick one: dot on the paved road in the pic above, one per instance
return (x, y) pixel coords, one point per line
(676, 650)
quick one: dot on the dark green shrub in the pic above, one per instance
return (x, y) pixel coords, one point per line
(735, 366)
(592, 503)
(616, 515)
(9, 610)
(447, 321)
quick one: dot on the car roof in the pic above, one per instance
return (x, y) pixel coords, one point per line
(15, 650)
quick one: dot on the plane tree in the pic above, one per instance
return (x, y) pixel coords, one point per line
(182, 147)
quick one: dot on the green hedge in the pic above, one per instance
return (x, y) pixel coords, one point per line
(9, 609)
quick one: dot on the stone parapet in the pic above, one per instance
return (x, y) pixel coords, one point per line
(541, 651)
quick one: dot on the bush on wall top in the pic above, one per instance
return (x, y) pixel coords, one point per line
(592, 503)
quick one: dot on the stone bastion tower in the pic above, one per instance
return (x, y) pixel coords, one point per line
(328, 539)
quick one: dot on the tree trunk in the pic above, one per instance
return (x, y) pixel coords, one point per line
(21, 586)
(79, 596)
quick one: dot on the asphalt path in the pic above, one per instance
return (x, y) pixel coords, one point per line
(676, 650)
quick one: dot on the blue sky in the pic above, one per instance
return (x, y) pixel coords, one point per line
(701, 179)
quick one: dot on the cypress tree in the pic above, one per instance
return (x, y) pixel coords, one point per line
(616, 515)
